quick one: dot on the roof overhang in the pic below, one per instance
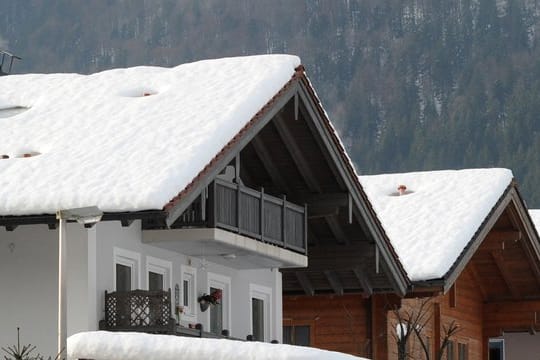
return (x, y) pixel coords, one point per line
(510, 196)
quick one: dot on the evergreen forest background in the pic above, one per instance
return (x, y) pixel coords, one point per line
(410, 84)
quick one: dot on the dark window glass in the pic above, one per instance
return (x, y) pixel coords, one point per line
(155, 281)
(257, 315)
(463, 352)
(123, 277)
(450, 351)
(302, 335)
(287, 335)
(496, 349)
(186, 293)
(297, 335)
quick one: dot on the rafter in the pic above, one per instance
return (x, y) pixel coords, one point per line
(334, 281)
(499, 261)
(337, 230)
(268, 163)
(363, 281)
(305, 283)
(477, 280)
(297, 155)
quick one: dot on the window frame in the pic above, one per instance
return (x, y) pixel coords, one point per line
(130, 259)
(296, 323)
(224, 283)
(162, 267)
(189, 274)
(265, 294)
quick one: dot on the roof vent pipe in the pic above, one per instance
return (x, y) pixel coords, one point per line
(401, 189)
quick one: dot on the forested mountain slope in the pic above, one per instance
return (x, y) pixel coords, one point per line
(411, 84)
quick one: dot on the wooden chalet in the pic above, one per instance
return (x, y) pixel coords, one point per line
(491, 290)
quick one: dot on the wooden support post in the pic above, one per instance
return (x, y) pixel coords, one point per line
(349, 198)
(203, 204)
(296, 106)
(305, 229)
(436, 329)
(238, 212)
(283, 220)
(261, 220)
(212, 205)
(377, 259)
(237, 169)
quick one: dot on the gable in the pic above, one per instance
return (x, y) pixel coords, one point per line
(432, 223)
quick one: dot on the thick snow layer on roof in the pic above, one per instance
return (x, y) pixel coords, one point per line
(102, 345)
(535, 217)
(125, 139)
(440, 212)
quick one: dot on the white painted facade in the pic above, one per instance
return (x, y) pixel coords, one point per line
(28, 274)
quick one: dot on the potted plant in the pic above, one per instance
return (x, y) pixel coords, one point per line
(210, 299)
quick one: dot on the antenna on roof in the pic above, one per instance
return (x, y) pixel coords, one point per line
(7, 57)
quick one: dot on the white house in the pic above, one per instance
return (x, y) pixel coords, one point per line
(204, 173)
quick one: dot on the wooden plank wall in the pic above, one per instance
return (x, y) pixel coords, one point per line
(340, 323)
(464, 304)
(516, 316)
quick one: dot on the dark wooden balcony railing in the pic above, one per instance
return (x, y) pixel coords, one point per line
(251, 213)
(138, 310)
(146, 311)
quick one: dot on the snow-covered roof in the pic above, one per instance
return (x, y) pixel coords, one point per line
(431, 224)
(124, 139)
(102, 345)
(535, 217)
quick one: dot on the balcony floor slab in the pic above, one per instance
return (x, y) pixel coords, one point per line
(225, 248)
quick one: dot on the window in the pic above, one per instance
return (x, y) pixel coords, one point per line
(463, 352)
(216, 315)
(158, 274)
(496, 349)
(123, 277)
(126, 270)
(189, 294)
(155, 281)
(261, 316)
(257, 311)
(219, 316)
(450, 354)
(297, 333)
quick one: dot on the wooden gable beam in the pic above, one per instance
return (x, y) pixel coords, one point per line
(478, 280)
(306, 172)
(363, 281)
(268, 163)
(334, 281)
(296, 154)
(336, 229)
(305, 283)
(499, 261)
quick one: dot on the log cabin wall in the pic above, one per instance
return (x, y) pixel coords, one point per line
(337, 323)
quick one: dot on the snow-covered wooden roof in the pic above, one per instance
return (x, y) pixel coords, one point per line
(124, 139)
(439, 213)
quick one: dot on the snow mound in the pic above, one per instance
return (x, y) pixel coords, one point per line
(430, 225)
(102, 345)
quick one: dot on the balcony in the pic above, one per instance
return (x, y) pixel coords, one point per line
(250, 213)
(146, 311)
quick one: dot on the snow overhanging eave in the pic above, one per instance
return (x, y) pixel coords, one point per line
(445, 283)
(10, 222)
